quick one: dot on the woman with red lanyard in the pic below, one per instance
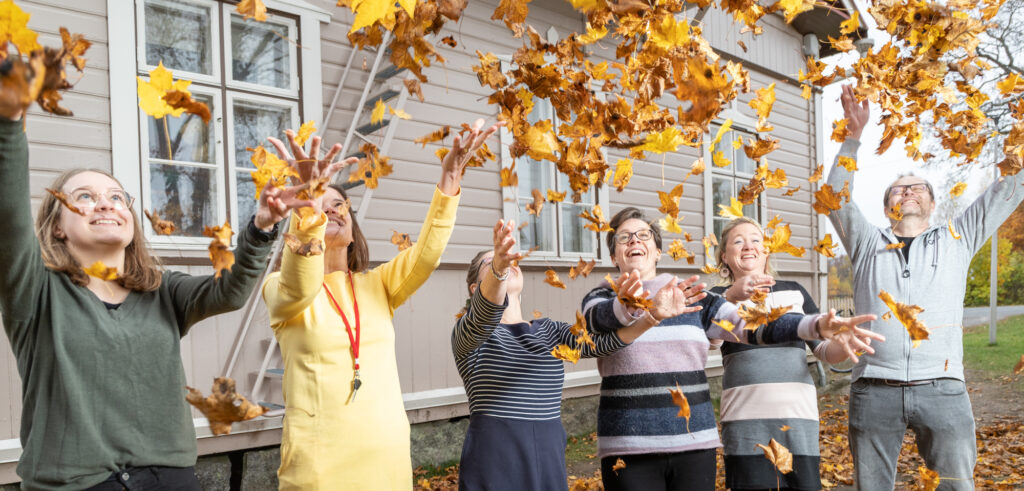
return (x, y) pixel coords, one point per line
(345, 425)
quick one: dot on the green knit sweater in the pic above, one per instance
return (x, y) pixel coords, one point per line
(101, 389)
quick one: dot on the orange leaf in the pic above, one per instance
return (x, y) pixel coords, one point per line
(894, 212)
(840, 132)
(412, 86)
(791, 191)
(538, 203)
(401, 240)
(619, 465)
(733, 211)
(537, 314)
(679, 399)
(779, 242)
(223, 406)
(438, 135)
(952, 231)
(65, 200)
(677, 251)
(160, 226)
(898, 245)
(927, 478)
(759, 315)
(177, 99)
(958, 189)
(826, 247)
(1019, 368)
(269, 170)
(848, 163)
(582, 268)
(551, 278)
(596, 219)
(696, 168)
(670, 201)
(314, 247)
(252, 9)
(907, 315)
(784, 428)
(778, 455)
(816, 176)
(827, 200)
(101, 271)
(628, 299)
(565, 353)
(509, 178)
(221, 257)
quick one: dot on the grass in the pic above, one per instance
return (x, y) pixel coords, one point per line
(581, 448)
(429, 471)
(1000, 358)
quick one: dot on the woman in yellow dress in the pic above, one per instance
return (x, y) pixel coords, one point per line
(345, 425)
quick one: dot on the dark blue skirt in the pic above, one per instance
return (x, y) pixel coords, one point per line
(513, 454)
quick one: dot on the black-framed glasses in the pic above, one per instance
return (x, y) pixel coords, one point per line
(919, 188)
(641, 235)
(86, 198)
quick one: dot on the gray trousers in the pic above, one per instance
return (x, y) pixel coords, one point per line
(940, 415)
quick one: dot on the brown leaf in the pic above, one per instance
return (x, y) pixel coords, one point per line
(220, 255)
(538, 203)
(449, 41)
(1019, 368)
(679, 399)
(160, 226)
(401, 240)
(223, 406)
(551, 278)
(183, 100)
(438, 135)
(582, 268)
(778, 455)
(314, 247)
(760, 315)
(413, 87)
(65, 200)
(619, 465)
(907, 315)
(596, 220)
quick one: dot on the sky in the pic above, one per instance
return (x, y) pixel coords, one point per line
(876, 172)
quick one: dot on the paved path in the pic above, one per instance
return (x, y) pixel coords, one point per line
(974, 316)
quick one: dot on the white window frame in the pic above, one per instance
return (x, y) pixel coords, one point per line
(229, 126)
(129, 152)
(293, 59)
(146, 196)
(743, 124)
(212, 78)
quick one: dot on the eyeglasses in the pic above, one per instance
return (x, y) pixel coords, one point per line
(919, 188)
(641, 235)
(87, 198)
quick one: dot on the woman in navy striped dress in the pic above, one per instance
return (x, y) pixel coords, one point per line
(767, 391)
(516, 440)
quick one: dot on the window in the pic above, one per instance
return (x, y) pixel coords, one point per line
(558, 231)
(197, 174)
(726, 182)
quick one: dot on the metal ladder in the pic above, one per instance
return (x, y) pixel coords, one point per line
(389, 86)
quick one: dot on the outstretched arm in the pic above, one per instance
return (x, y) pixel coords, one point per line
(848, 221)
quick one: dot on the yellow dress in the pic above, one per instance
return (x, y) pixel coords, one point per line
(329, 443)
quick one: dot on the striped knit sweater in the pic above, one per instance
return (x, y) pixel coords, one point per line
(636, 414)
(767, 388)
(508, 369)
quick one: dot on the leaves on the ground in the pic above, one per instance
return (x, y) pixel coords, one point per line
(679, 399)
(160, 226)
(582, 268)
(778, 455)
(220, 254)
(223, 406)
(402, 241)
(551, 278)
(314, 247)
(101, 271)
(826, 247)
(1019, 368)
(907, 315)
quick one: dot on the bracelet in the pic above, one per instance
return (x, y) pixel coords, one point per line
(496, 275)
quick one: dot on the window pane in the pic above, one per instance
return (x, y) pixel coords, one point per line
(253, 123)
(575, 238)
(260, 53)
(246, 196)
(179, 35)
(191, 139)
(743, 163)
(751, 210)
(719, 225)
(538, 231)
(563, 185)
(534, 174)
(721, 191)
(184, 195)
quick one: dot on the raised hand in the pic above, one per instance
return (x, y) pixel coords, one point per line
(844, 332)
(677, 298)
(504, 241)
(745, 287)
(275, 203)
(856, 113)
(463, 148)
(308, 165)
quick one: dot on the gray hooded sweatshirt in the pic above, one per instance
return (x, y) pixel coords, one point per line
(935, 278)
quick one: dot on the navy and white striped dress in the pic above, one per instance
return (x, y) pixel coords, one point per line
(764, 389)
(515, 440)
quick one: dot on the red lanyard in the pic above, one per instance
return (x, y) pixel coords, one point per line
(353, 340)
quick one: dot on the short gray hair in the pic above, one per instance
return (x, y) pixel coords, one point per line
(885, 197)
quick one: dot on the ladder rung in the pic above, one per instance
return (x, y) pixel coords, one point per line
(368, 128)
(388, 72)
(385, 96)
(358, 155)
(273, 409)
(351, 184)
(274, 373)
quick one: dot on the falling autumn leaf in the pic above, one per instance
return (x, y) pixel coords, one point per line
(779, 242)
(826, 247)
(371, 167)
(762, 104)
(220, 255)
(379, 109)
(958, 189)
(305, 131)
(816, 175)
(252, 9)
(676, 251)
(623, 172)
(784, 428)
(778, 455)
(437, 135)
(733, 211)
(595, 219)
(791, 191)
(151, 93)
(759, 315)
(400, 113)
(952, 231)
(537, 314)
(449, 41)
(538, 203)
(582, 268)
(839, 133)
(619, 465)
(65, 200)
(223, 406)
(269, 170)
(679, 399)
(551, 278)
(565, 353)
(556, 197)
(401, 240)
(927, 479)
(412, 86)
(670, 200)
(827, 200)
(508, 175)
(314, 247)
(670, 224)
(907, 315)
(160, 226)
(627, 298)
(101, 271)
(848, 163)
(894, 212)
(14, 29)
(1019, 368)
(696, 168)
(898, 245)
(850, 26)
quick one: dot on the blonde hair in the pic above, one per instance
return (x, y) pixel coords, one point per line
(142, 271)
(723, 268)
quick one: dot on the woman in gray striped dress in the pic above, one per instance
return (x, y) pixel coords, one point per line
(515, 439)
(767, 391)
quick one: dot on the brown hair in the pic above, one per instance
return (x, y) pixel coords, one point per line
(885, 197)
(358, 250)
(723, 269)
(473, 275)
(629, 214)
(142, 271)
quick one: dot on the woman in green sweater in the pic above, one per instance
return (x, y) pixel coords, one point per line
(103, 387)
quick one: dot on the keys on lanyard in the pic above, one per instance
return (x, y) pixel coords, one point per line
(356, 383)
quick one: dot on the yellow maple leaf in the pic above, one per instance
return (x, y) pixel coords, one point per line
(541, 141)
(378, 112)
(826, 247)
(958, 189)
(252, 9)
(593, 35)
(556, 197)
(677, 251)
(762, 104)
(623, 173)
(368, 12)
(665, 141)
(151, 93)
(565, 353)
(721, 132)
(400, 113)
(670, 33)
(14, 29)
(1012, 83)
(101, 271)
(792, 8)
(734, 210)
(670, 224)
(848, 163)
(305, 131)
(719, 159)
(269, 170)
(850, 26)
(779, 242)
(840, 132)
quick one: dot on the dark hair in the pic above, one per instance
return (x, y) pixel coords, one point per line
(474, 268)
(885, 197)
(629, 214)
(358, 250)
(142, 271)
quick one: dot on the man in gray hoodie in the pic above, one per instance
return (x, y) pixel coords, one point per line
(901, 385)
